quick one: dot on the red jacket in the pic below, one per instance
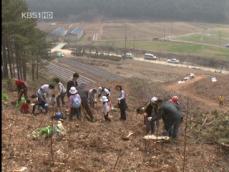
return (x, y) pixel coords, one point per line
(20, 83)
(174, 101)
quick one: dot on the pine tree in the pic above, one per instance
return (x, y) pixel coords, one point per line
(22, 42)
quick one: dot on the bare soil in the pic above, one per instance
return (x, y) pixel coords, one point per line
(208, 90)
(99, 146)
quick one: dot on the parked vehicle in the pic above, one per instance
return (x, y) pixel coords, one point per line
(60, 54)
(57, 54)
(128, 55)
(49, 53)
(149, 56)
(173, 60)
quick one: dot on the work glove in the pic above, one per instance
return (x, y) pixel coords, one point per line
(149, 118)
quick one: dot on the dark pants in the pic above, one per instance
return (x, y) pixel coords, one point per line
(123, 107)
(172, 127)
(21, 92)
(92, 102)
(151, 125)
(41, 103)
(86, 106)
(106, 117)
(75, 112)
(60, 98)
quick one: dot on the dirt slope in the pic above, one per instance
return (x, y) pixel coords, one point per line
(98, 147)
(191, 89)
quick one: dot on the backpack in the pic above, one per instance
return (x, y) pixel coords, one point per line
(76, 102)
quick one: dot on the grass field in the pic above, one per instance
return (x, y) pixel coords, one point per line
(216, 36)
(172, 47)
(195, 34)
(199, 39)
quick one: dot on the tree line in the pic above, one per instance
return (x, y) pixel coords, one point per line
(23, 45)
(191, 10)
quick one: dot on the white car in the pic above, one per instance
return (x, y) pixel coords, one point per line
(128, 55)
(149, 56)
(173, 61)
(58, 54)
(186, 78)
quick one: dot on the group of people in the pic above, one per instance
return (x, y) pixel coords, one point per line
(79, 96)
(105, 94)
(169, 111)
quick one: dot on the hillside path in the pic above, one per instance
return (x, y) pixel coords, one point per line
(183, 90)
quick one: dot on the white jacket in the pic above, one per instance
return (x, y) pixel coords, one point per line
(61, 88)
(106, 108)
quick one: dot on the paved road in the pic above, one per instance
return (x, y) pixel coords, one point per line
(84, 66)
(181, 65)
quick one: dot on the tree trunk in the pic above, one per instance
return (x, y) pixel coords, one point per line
(33, 71)
(21, 63)
(20, 66)
(4, 61)
(11, 54)
(18, 70)
(18, 61)
(9, 59)
(24, 67)
(24, 71)
(17, 58)
(37, 68)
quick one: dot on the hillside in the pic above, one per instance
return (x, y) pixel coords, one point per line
(192, 10)
(99, 146)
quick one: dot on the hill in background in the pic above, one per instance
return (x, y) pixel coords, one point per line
(190, 10)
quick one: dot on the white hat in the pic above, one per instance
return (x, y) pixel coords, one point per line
(104, 99)
(73, 90)
(153, 99)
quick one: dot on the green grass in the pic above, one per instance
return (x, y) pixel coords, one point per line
(216, 36)
(172, 47)
(213, 41)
